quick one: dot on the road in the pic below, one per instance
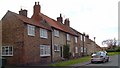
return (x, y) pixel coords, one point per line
(112, 62)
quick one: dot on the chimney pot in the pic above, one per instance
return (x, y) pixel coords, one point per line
(35, 3)
(38, 3)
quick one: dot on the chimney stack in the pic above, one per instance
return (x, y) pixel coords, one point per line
(36, 8)
(60, 19)
(87, 36)
(67, 22)
(23, 12)
(36, 12)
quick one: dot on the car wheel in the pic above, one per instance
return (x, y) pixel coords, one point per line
(92, 62)
(104, 61)
(108, 60)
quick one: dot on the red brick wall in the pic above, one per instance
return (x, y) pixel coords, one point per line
(13, 36)
(32, 46)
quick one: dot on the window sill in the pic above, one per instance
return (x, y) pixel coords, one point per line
(6, 55)
(56, 50)
(45, 55)
(56, 36)
(43, 37)
(31, 35)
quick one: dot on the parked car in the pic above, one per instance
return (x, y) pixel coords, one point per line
(100, 56)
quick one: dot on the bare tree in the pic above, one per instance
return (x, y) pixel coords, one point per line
(111, 43)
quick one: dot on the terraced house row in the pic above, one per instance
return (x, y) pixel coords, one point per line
(40, 39)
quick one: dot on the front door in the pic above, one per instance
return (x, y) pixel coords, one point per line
(61, 55)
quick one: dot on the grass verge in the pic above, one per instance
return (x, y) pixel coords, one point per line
(71, 62)
(113, 53)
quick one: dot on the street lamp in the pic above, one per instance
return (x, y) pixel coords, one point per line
(94, 43)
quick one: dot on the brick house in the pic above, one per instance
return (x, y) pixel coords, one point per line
(93, 47)
(25, 40)
(40, 39)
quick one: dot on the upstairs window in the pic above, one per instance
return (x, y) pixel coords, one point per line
(43, 33)
(76, 40)
(56, 47)
(68, 37)
(7, 51)
(31, 30)
(56, 33)
(81, 37)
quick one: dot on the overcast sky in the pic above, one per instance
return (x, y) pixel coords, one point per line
(98, 18)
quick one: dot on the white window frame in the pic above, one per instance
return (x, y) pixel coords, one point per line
(81, 49)
(85, 49)
(76, 49)
(43, 33)
(56, 33)
(56, 47)
(46, 50)
(31, 30)
(76, 39)
(7, 48)
(68, 37)
(81, 37)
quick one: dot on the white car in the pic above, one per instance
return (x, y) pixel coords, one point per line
(100, 56)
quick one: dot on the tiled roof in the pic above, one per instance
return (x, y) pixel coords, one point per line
(50, 23)
(30, 21)
(57, 25)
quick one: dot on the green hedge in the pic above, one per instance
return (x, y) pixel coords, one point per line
(117, 49)
(66, 53)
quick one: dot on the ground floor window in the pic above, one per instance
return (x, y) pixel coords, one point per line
(81, 49)
(76, 49)
(56, 47)
(44, 50)
(85, 49)
(7, 50)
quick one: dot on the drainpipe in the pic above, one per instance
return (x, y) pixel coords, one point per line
(83, 42)
(51, 47)
(94, 44)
